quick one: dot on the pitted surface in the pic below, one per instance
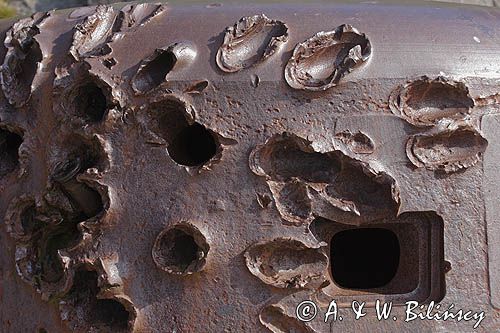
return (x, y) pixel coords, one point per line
(105, 151)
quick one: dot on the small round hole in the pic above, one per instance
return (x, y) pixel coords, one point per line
(180, 250)
(194, 145)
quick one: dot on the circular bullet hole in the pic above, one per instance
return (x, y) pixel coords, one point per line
(194, 145)
(91, 102)
(181, 249)
(111, 314)
(9, 151)
(364, 258)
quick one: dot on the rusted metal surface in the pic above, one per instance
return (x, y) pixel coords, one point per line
(207, 168)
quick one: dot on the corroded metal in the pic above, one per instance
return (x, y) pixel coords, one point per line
(207, 168)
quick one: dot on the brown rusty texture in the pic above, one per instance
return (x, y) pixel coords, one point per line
(206, 168)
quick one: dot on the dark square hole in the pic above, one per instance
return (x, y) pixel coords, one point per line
(364, 258)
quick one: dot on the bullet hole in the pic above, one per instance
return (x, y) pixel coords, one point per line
(83, 97)
(40, 263)
(30, 63)
(91, 102)
(286, 156)
(323, 60)
(91, 37)
(85, 200)
(447, 151)
(188, 143)
(49, 242)
(9, 151)
(424, 102)
(357, 142)
(154, 69)
(249, 41)
(83, 154)
(307, 183)
(364, 258)
(154, 73)
(105, 315)
(111, 313)
(193, 146)
(41, 233)
(287, 263)
(438, 95)
(181, 249)
(22, 58)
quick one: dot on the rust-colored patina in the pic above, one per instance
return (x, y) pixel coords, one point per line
(206, 168)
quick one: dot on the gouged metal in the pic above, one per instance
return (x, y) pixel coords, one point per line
(185, 168)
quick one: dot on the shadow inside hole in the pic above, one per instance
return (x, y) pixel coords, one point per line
(364, 258)
(91, 102)
(111, 313)
(154, 73)
(30, 64)
(29, 223)
(85, 199)
(101, 313)
(9, 151)
(194, 145)
(178, 250)
(49, 241)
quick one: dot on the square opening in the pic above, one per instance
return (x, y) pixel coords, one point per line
(364, 258)
(401, 258)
